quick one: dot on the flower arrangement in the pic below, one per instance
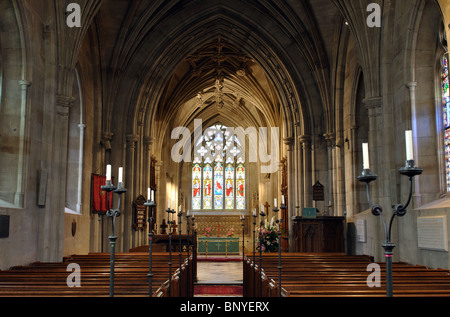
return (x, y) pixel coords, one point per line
(267, 239)
(230, 232)
(207, 232)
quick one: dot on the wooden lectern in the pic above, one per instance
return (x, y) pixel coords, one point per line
(318, 235)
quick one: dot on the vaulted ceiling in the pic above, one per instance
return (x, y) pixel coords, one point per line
(175, 60)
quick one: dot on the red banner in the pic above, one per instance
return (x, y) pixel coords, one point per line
(99, 196)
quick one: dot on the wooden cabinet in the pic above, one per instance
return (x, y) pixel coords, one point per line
(322, 234)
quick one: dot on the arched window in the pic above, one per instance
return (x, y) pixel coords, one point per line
(218, 171)
(446, 116)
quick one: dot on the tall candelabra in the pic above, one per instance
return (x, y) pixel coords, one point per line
(188, 246)
(150, 204)
(170, 223)
(254, 252)
(410, 170)
(262, 214)
(193, 271)
(242, 218)
(180, 214)
(113, 214)
(278, 222)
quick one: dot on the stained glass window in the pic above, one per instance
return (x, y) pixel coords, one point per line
(196, 187)
(446, 117)
(229, 180)
(207, 187)
(218, 173)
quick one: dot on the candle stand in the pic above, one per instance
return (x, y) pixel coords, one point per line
(243, 232)
(278, 222)
(113, 214)
(254, 252)
(150, 204)
(188, 246)
(410, 170)
(262, 214)
(170, 223)
(193, 276)
(180, 251)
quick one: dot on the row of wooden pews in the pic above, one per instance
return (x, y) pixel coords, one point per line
(130, 277)
(337, 275)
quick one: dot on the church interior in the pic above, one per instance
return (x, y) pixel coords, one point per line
(325, 121)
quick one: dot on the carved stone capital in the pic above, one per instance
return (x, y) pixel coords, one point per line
(289, 142)
(132, 138)
(107, 136)
(63, 105)
(148, 141)
(412, 85)
(330, 138)
(373, 103)
(305, 140)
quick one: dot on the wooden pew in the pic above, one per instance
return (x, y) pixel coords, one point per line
(131, 279)
(307, 275)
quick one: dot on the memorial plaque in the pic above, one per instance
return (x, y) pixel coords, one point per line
(432, 233)
(318, 192)
(361, 230)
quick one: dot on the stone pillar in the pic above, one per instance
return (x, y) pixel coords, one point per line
(80, 168)
(148, 142)
(330, 200)
(51, 241)
(299, 177)
(289, 142)
(130, 180)
(19, 195)
(307, 169)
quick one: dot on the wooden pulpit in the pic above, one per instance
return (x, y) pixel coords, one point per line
(318, 235)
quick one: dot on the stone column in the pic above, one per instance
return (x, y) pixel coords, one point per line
(19, 196)
(148, 142)
(330, 200)
(299, 176)
(52, 243)
(80, 168)
(130, 179)
(307, 169)
(289, 142)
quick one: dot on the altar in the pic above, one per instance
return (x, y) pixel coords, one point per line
(217, 245)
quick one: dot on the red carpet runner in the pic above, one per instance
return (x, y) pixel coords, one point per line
(218, 290)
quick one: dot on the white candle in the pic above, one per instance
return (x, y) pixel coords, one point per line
(153, 196)
(148, 194)
(108, 172)
(282, 200)
(409, 146)
(179, 208)
(366, 160)
(275, 203)
(188, 213)
(254, 212)
(169, 203)
(262, 207)
(120, 174)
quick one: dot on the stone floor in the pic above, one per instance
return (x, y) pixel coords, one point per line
(222, 279)
(219, 272)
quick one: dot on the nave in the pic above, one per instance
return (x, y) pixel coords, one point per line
(302, 275)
